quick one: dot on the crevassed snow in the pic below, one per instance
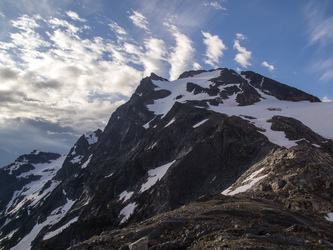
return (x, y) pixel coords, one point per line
(60, 229)
(127, 211)
(329, 217)
(85, 164)
(200, 123)
(55, 216)
(124, 196)
(154, 175)
(32, 191)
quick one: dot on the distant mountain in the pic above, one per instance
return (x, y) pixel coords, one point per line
(212, 159)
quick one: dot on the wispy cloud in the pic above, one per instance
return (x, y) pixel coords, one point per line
(215, 48)
(270, 67)
(116, 28)
(73, 15)
(320, 27)
(139, 20)
(215, 5)
(320, 36)
(243, 56)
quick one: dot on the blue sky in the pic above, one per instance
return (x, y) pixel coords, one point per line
(65, 66)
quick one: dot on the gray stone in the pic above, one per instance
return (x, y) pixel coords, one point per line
(140, 244)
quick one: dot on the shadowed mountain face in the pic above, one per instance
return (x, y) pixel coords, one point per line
(208, 132)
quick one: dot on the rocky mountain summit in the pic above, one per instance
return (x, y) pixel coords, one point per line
(213, 159)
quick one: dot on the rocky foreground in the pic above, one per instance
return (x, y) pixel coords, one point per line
(217, 222)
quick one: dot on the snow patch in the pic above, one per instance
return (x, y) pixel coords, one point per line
(124, 196)
(146, 126)
(200, 123)
(154, 175)
(76, 159)
(127, 211)
(251, 180)
(172, 121)
(85, 164)
(91, 137)
(153, 146)
(108, 175)
(60, 229)
(329, 217)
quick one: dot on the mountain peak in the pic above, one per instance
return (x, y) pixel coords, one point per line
(153, 76)
(244, 135)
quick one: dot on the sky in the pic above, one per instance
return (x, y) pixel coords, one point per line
(65, 66)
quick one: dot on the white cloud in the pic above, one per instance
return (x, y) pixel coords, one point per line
(55, 22)
(215, 5)
(139, 20)
(75, 16)
(196, 66)
(243, 56)
(215, 47)
(62, 77)
(326, 99)
(116, 28)
(181, 57)
(270, 67)
(240, 36)
(155, 57)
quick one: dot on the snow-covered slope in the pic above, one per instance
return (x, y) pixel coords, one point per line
(30, 183)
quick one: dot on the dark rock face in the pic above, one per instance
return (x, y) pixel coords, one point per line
(191, 73)
(279, 90)
(146, 164)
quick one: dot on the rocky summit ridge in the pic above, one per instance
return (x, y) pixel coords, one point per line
(214, 159)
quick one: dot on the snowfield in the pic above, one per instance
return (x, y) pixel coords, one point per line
(306, 112)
